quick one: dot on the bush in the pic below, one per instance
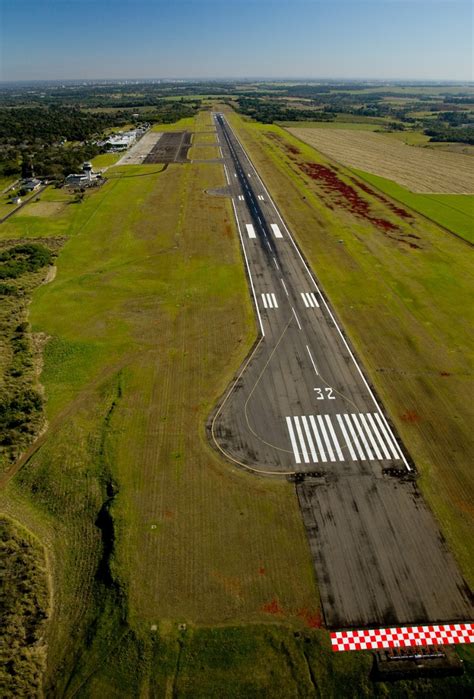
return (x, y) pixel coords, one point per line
(23, 258)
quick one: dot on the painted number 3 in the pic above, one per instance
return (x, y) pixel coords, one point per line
(329, 393)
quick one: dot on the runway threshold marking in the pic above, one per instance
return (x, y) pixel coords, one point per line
(403, 637)
(309, 299)
(325, 437)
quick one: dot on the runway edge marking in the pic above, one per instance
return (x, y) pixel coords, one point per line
(408, 467)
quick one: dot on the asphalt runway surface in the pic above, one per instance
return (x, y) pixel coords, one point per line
(301, 406)
(172, 147)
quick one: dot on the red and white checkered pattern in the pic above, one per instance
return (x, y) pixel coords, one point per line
(368, 639)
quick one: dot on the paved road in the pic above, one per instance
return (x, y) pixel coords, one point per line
(302, 405)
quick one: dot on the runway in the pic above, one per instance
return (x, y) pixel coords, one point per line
(302, 407)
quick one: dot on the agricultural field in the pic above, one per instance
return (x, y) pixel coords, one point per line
(376, 260)
(420, 170)
(453, 211)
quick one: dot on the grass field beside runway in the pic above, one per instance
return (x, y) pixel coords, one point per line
(453, 211)
(203, 152)
(403, 309)
(149, 283)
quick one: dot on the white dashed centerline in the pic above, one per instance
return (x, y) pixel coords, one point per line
(312, 361)
(296, 317)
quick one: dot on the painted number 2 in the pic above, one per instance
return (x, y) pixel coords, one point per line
(329, 393)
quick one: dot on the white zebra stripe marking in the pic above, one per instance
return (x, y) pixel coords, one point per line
(326, 438)
(304, 451)
(386, 453)
(309, 299)
(374, 444)
(393, 448)
(334, 438)
(362, 435)
(354, 438)
(293, 440)
(309, 439)
(318, 438)
(346, 438)
(269, 300)
(341, 437)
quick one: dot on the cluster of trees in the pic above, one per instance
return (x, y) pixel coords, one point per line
(27, 257)
(447, 134)
(54, 124)
(269, 111)
(53, 141)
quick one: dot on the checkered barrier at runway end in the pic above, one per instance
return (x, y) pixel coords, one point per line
(404, 637)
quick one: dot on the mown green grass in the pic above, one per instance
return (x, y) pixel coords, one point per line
(185, 123)
(453, 211)
(105, 160)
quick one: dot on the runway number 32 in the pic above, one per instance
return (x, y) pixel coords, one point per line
(329, 393)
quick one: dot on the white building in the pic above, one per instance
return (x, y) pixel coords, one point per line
(84, 178)
(121, 141)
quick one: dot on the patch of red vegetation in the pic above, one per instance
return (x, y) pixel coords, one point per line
(273, 607)
(168, 514)
(444, 373)
(293, 150)
(396, 209)
(409, 243)
(410, 416)
(347, 196)
(262, 571)
(312, 619)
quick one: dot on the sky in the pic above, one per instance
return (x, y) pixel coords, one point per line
(94, 39)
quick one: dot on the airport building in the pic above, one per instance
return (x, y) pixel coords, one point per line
(82, 179)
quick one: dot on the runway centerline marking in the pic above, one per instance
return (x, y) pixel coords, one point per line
(284, 286)
(274, 260)
(312, 361)
(296, 317)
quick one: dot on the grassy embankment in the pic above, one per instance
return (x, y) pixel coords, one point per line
(404, 310)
